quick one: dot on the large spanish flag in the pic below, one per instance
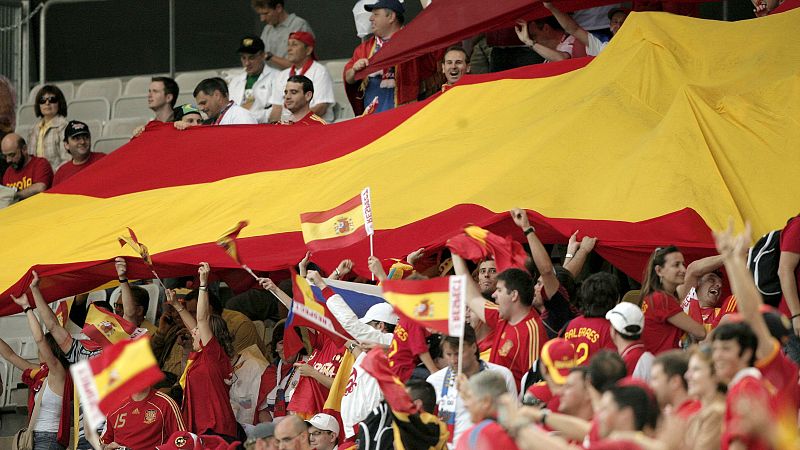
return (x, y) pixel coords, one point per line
(437, 303)
(105, 381)
(676, 126)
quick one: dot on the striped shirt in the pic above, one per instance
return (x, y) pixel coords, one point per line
(145, 423)
(515, 346)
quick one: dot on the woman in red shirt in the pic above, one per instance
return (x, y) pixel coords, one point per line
(206, 380)
(664, 319)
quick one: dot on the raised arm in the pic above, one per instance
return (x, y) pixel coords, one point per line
(203, 308)
(268, 285)
(545, 52)
(128, 306)
(568, 23)
(185, 315)
(540, 257)
(11, 356)
(376, 268)
(57, 371)
(574, 264)
(475, 300)
(695, 271)
(732, 249)
(342, 269)
(60, 334)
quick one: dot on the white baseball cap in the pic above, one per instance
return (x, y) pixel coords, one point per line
(324, 422)
(627, 319)
(382, 312)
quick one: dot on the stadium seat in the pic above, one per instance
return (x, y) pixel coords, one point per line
(228, 74)
(184, 98)
(336, 69)
(67, 88)
(342, 110)
(137, 85)
(26, 114)
(24, 130)
(95, 127)
(123, 127)
(130, 106)
(85, 109)
(109, 144)
(109, 88)
(189, 80)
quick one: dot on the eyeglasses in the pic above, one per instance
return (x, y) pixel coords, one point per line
(319, 432)
(52, 100)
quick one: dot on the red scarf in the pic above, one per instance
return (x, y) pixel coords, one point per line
(306, 66)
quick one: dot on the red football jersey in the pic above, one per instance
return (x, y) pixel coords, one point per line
(408, 343)
(486, 435)
(310, 395)
(206, 398)
(746, 386)
(659, 335)
(144, 423)
(631, 356)
(589, 335)
(516, 346)
(37, 170)
(782, 373)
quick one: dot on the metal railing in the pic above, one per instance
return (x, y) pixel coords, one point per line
(12, 27)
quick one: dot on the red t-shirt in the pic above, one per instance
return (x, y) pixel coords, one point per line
(269, 380)
(728, 306)
(408, 343)
(145, 423)
(37, 170)
(69, 168)
(516, 346)
(631, 356)
(206, 398)
(589, 335)
(309, 119)
(748, 386)
(659, 335)
(486, 435)
(310, 395)
(790, 242)
(485, 345)
(782, 373)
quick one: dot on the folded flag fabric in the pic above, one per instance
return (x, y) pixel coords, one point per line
(309, 310)
(62, 311)
(105, 381)
(105, 328)
(476, 243)
(339, 227)
(437, 303)
(137, 246)
(228, 241)
(413, 428)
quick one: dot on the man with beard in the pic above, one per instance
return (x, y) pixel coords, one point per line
(28, 174)
(78, 142)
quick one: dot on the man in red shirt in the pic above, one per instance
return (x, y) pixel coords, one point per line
(627, 326)
(481, 398)
(297, 99)
(591, 331)
(78, 142)
(146, 419)
(26, 173)
(669, 384)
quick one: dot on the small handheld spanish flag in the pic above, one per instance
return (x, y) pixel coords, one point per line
(339, 227)
(106, 328)
(438, 303)
(137, 246)
(228, 241)
(107, 380)
(476, 243)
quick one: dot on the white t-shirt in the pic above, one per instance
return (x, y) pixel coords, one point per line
(361, 396)
(452, 400)
(595, 45)
(260, 93)
(323, 89)
(236, 115)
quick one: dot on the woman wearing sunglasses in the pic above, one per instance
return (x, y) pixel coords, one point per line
(47, 133)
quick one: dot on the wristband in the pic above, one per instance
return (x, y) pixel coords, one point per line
(569, 255)
(336, 271)
(123, 280)
(545, 412)
(179, 310)
(203, 288)
(795, 316)
(529, 230)
(25, 310)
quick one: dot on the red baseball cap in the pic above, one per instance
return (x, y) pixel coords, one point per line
(558, 357)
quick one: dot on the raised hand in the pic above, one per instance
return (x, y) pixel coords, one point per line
(267, 284)
(22, 301)
(588, 243)
(520, 218)
(121, 266)
(203, 271)
(414, 256)
(344, 267)
(303, 264)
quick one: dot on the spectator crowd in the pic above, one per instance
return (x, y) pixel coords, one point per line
(565, 352)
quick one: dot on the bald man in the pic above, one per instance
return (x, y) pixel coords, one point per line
(26, 173)
(292, 434)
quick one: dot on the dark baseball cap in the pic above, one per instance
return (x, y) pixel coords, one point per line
(393, 5)
(251, 45)
(76, 128)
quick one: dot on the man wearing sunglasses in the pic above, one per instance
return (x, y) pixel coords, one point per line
(28, 174)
